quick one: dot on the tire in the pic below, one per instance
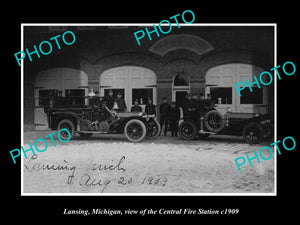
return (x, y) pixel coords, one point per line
(253, 133)
(68, 124)
(153, 129)
(135, 130)
(214, 121)
(86, 135)
(187, 130)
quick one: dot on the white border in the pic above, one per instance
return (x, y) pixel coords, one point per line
(150, 194)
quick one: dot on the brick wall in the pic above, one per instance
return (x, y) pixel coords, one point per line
(94, 52)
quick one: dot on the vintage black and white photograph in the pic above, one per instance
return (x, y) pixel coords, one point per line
(131, 109)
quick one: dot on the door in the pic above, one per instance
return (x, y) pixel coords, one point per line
(73, 84)
(220, 81)
(255, 101)
(180, 88)
(180, 96)
(135, 82)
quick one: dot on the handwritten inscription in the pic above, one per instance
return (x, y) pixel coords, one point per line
(102, 167)
(42, 167)
(97, 175)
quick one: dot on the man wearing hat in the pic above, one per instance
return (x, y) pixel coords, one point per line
(110, 100)
(121, 105)
(60, 100)
(136, 107)
(103, 113)
(194, 102)
(201, 103)
(188, 107)
(150, 108)
(164, 111)
(209, 104)
(94, 100)
(97, 99)
(174, 116)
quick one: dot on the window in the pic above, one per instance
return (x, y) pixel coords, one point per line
(221, 95)
(142, 94)
(181, 80)
(45, 96)
(254, 97)
(75, 96)
(115, 92)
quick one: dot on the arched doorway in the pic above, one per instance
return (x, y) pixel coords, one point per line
(133, 82)
(220, 81)
(72, 83)
(180, 88)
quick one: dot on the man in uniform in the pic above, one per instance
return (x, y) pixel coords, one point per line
(110, 100)
(201, 108)
(150, 108)
(201, 104)
(164, 111)
(195, 109)
(136, 107)
(120, 103)
(98, 99)
(174, 116)
(188, 108)
(194, 97)
(184, 105)
(60, 100)
(103, 113)
(95, 102)
(209, 104)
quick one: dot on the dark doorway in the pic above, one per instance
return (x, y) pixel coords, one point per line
(179, 97)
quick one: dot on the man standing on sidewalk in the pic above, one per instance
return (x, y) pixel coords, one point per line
(174, 117)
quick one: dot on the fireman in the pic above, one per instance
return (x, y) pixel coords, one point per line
(150, 108)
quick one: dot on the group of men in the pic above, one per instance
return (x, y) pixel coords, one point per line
(169, 116)
(103, 105)
(193, 107)
(109, 101)
(196, 105)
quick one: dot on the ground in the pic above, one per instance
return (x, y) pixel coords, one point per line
(111, 164)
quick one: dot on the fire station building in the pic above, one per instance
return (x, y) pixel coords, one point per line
(202, 59)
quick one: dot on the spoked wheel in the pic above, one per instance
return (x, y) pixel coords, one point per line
(135, 130)
(66, 124)
(214, 121)
(253, 133)
(187, 130)
(153, 129)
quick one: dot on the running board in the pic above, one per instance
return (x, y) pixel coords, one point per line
(93, 132)
(205, 132)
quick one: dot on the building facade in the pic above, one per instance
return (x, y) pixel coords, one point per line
(202, 59)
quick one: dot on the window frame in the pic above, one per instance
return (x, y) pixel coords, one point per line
(251, 94)
(145, 88)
